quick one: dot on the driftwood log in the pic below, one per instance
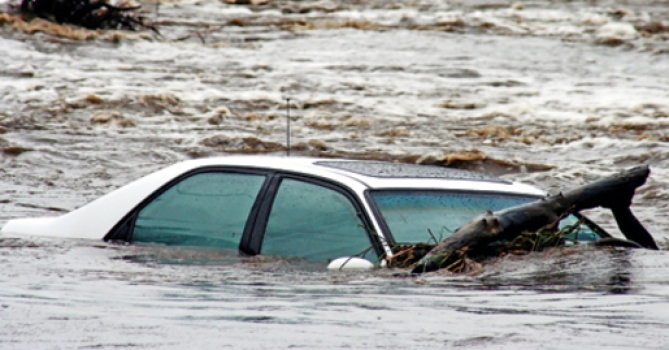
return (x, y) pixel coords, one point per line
(614, 192)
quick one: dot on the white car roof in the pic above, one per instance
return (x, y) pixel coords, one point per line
(375, 175)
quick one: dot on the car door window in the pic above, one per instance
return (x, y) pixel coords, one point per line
(313, 222)
(206, 209)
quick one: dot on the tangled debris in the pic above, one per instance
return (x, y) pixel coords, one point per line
(408, 254)
(458, 261)
(91, 14)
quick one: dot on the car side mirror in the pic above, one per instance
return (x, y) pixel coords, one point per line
(350, 263)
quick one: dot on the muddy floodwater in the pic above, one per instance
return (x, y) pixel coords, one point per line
(551, 93)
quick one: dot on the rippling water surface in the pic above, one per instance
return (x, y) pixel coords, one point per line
(552, 93)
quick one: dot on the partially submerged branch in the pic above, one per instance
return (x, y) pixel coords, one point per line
(614, 192)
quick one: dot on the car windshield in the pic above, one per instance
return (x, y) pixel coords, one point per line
(422, 216)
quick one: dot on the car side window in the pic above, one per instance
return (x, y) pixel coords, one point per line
(313, 222)
(206, 209)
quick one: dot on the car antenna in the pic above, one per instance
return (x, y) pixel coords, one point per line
(288, 127)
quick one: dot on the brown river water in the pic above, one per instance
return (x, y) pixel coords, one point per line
(551, 93)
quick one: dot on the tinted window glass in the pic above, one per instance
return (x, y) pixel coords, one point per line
(208, 209)
(411, 214)
(581, 233)
(315, 223)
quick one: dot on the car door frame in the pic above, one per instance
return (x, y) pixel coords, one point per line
(252, 244)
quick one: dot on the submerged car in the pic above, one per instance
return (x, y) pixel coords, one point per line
(326, 210)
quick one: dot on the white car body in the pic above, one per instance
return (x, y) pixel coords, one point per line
(95, 219)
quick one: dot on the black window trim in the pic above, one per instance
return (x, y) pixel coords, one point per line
(251, 242)
(258, 232)
(122, 231)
